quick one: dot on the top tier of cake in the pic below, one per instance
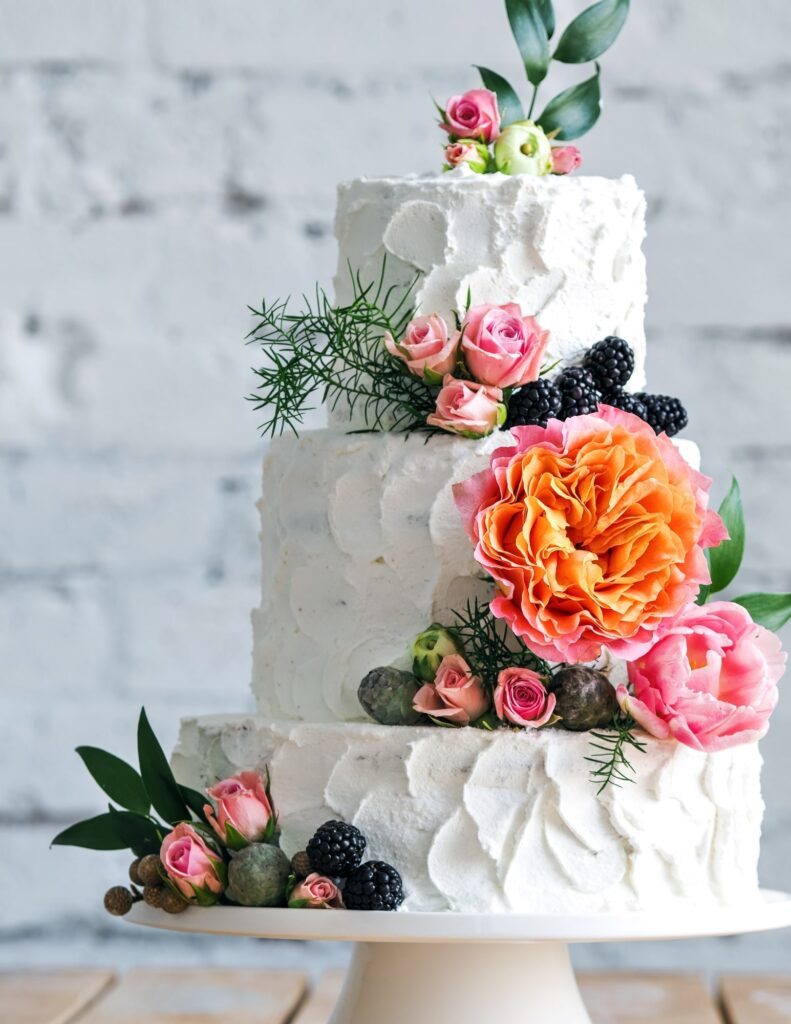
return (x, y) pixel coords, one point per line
(566, 249)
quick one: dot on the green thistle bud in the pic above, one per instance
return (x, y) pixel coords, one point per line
(428, 650)
(258, 876)
(523, 148)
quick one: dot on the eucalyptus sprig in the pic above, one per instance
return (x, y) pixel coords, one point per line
(573, 112)
(611, 764)
(325, 353)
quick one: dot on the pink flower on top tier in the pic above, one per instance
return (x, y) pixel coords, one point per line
(565, 159)
(467, 151)
(522, 699)
(473, 115)
(468, 408)
(710, 679)
(317, 892)
(195, 869)
(456, 694)
(426, 346)
(502, 347)
(594, 530)
(242, 802)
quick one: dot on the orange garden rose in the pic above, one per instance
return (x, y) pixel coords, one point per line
(594, 530)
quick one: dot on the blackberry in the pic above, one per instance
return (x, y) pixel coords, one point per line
(535, 403)
(373, 886)
(578, 392)
(627, 402)
(336, 849)
(611, 362)
(664, 413)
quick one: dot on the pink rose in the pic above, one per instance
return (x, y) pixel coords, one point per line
(565, 159)
(455, 694)
(709, 681)
(426, 345)
(468, 408)
(195, 869)
(522, 699)
(473, 115)
(241, 802)
(501, 347)
(318, 892)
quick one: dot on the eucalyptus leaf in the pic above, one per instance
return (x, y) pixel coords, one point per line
(99, 833)
(592, 32)
(526, 18)
(726, 559)
(162, 788)
(770, 610)
(118, 779)
(509, 104)
(574, 111)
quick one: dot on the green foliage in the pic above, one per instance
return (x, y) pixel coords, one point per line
(592, 32)
(490, 646)
(194, 800)
(574, 111)
(770, 610)
(326, 353)
(114, 830)
(726, 559)
(118, 779)
(161, 786)
(508, 103)
(530, 32)
(611, 765)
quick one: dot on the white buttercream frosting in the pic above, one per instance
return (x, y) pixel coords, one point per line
(567, 249)
(505, 821)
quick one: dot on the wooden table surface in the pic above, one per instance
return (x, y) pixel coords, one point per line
(217, 995)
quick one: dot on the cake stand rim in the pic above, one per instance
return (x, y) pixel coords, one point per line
(772, 911)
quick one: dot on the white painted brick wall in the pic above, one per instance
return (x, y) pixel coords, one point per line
(165, 162)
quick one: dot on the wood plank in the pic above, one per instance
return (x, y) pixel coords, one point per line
(318, 1007)
(637, 998)
(756, 999)
(49, 997)
(211, 995)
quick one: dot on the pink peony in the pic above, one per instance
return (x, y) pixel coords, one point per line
(522, 699)
(468, 408)
(455, 694)
(594, 530)
(710, 679)
(191, 864)
(473, 115)
(501, 347)
(426, 345)
(565, 159)
(241, 802)
(317, 892)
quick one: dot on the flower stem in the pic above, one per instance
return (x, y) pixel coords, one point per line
(532, 102)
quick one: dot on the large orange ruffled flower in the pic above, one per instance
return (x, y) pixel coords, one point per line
(594, 530)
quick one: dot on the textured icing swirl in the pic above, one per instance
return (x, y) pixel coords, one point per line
(506, 821)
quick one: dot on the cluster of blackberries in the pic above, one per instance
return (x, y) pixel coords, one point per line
(336, 850)
(579, 390)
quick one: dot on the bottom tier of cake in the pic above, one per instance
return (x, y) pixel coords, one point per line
(505, 821)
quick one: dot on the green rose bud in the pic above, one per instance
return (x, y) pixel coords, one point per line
(523, 148)
(386, 695)
(428, 650)
(467, 151)
(585, 698)
(258, 876)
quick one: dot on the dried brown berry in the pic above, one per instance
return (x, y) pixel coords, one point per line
(172, 902)
(154, 895)
(300, 864)
(118, 900)
(134, 873)
(585, 698)
(150, 870)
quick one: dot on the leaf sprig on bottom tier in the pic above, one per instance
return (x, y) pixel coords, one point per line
(611, 764)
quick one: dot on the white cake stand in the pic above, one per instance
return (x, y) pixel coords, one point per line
(412, 968)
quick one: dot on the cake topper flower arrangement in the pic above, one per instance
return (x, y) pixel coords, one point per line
(489, 129)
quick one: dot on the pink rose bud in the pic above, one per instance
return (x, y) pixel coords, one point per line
(427, 348)
(455, 694)
(709, 681)
(467, 151)
(522, 699)
(473, 115)
(468, 408)
(196, 870)
(565, 159)
(241, 802)
(502, 347)
(317, 892)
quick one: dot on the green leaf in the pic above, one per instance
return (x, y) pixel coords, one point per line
(234, 840)
(194, 800)
(118, 779)
(547, 13)
(99, 833)
(592, 32)
(297, 904)
(508, 103)
(574, 111)
(770, 610)
(726, 559)
(526, 18)
(140, 834)
(703, 594)
(162, 788)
